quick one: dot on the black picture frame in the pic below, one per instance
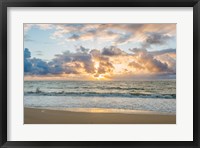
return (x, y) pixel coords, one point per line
(4, 4)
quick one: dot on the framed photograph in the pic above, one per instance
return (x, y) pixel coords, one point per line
(99, 73)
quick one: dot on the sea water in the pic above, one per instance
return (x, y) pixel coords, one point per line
(157, 95)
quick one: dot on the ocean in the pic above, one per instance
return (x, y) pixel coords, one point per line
(157, 95)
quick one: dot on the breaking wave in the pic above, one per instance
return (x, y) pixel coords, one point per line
(96, 94)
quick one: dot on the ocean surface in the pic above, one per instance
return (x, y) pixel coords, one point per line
(158, 95)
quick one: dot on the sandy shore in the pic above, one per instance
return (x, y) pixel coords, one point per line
(44, 116)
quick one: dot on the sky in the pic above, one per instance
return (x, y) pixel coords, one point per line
(99, 51)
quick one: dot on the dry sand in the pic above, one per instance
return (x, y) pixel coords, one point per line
(44, 116)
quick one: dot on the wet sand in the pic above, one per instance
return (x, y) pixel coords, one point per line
(45, 116)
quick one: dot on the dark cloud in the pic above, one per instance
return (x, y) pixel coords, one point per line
(74, 37)
(92, 31)
(155, 38)
(27, 63)
(83, 58)
(39, 67)
(34, 66)
(82, 49)
(55, 68)
(137, 50)
(59, 65)
(160, 52)
(95, 53)
(27, 53)
(111, 51)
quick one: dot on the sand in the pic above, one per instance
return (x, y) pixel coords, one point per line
(45, 116)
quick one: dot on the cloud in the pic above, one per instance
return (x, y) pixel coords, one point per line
(151, 62)
(34, 66)
(111, 51)
(27, 27)
(74, 37)
(165, 51)
(40, 26)
(123, 33)
(109, 62)
(82, 49)
(122, 39)
(27, 63)
(138, 50)
(71, 61)
(39, 67)
(135, 65)
(27, 53)
(117, 34)
(62, 63)
(103, 63)
(156, 38)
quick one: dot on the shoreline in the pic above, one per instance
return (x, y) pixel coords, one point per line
(98, 116)
(104, 110)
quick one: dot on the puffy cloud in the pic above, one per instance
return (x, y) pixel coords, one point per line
(34, 66)
(135, 65)
(147, 60)
(109, 62)
(39, 67)
(156, 38)
(167, 57)
(68, 57)
(27, 53)
(111, 51)
(82, 49)
(95, 53)
(27, 63)
(62, 63)
(74, 37)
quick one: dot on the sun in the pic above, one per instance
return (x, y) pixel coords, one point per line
(100, 77)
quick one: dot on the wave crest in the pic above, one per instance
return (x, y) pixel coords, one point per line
(97, 94)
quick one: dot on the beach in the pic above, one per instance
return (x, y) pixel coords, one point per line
(47, 116)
